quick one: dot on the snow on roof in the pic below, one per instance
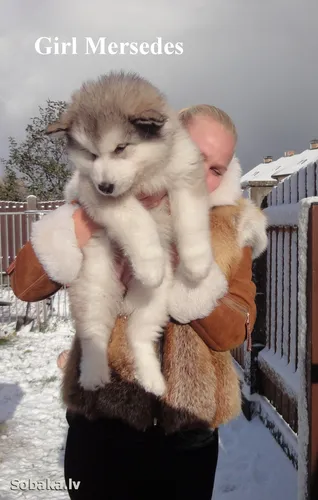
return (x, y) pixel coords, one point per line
(285, 165)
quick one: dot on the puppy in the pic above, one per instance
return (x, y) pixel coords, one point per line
(123, 140)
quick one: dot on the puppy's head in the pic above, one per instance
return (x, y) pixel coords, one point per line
(118, 131)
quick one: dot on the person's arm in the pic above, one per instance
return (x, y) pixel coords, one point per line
(232, 321)
(37, 273)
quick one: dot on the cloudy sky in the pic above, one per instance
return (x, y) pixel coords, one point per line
(256, 60)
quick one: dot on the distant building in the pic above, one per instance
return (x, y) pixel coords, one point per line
(258, 182)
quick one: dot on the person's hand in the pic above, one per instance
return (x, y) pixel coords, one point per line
(85, 227)
(62, 359)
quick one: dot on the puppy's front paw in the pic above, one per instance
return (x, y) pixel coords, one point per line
(149, 269)
(94, 375)
(188, 302)
(195, 262)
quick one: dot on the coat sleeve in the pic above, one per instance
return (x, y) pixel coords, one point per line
(50, 259)
(232, 321)
(28, 279)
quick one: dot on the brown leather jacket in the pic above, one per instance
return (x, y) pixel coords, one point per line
(226, 328)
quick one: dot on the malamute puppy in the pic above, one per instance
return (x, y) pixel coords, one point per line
(124, 140)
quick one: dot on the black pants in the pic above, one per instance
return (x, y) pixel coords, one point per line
(112, 461)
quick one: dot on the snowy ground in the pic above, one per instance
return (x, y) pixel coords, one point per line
(33, 429)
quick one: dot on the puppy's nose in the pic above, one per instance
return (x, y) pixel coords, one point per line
(106, 188)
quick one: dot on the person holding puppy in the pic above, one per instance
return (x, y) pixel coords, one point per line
(124, 443)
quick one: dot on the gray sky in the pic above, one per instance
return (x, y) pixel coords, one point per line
(256, 60)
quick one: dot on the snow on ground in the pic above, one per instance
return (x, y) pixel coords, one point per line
(33, 431)
(252, 466)
(33, 428)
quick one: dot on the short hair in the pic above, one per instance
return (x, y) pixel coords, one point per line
(186, 115)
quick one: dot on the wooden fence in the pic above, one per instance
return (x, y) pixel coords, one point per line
(279, 376)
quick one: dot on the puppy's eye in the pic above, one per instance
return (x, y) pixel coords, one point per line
(92, 156)
(120, 148)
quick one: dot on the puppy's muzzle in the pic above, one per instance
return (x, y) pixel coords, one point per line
(106, 188)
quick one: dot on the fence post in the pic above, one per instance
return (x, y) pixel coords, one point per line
(312, 346)
(31, 202)
(308, 350)
(31, 205)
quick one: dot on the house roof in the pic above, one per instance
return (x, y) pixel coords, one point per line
(286, 165)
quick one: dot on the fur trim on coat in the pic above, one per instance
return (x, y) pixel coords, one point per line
(203, 387)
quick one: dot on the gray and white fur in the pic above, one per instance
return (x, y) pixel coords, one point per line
(123, 140)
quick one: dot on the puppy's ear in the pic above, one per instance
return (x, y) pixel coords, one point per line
(149, 122)
(60, 127)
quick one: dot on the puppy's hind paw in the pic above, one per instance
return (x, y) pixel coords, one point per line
(154, 383)
(93, 377)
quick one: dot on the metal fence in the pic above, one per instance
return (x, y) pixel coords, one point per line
(16, 221)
